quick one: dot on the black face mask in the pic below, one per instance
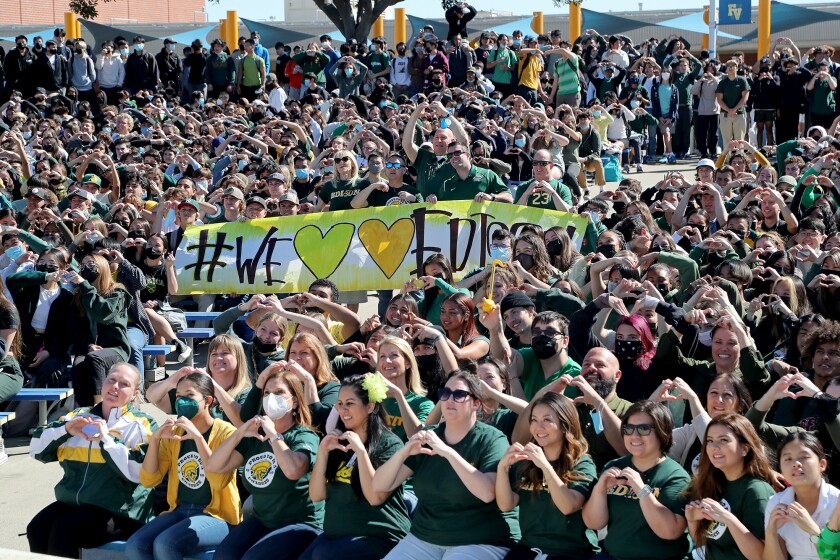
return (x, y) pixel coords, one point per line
(439, 275)
(52, 51)
(785, 300)
(544, 347)
(46, 267)
(152, 253)
(607, 250)
(263, 347)
(89, 272)
(627, 350)
(79, 51)
(137, 234)
(663, 288)
(660, 248)
(554, 247)
(527, 261)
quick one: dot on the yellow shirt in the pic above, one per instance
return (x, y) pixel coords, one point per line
(530, 67)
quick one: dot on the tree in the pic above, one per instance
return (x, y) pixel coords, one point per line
(354, 18)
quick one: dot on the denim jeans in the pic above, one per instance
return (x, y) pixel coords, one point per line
(346, 548)
(137, 340)
(171, 536)
(285, 543)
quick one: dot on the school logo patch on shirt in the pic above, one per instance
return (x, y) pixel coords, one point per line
(345, 471)
(716, 530)
(260, 469)
(191, 471)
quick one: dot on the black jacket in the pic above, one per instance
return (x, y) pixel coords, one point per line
(50, 76)
(792, 89)
(18, 68)
(458, 24)
(169, 66)
(141, 72)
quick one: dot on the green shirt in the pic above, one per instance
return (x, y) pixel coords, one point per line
(338, 193)
(449, 514)
(314, 64)
(533, 379)
(427, 165)
(421, 406)
(747, 499)
(503, 419)
(250, 68)
(509, 58)
(732, 90)
(193, 487)
(279, 501)
(543, 525)
(544, 199)
(822, 98)
(346, 515)
(447, 185)
(377, 62)
(629, 536)
(566, 70)
(599, 447)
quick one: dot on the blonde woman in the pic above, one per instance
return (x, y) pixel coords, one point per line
(228, 368)
(97, 325)
(346, 184)
(406, 407)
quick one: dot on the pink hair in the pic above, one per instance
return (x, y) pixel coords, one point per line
(640, 325)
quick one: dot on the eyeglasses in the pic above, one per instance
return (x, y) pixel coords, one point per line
(541, 163)
(393, 165)
(641, 429)
(458, 395)
(455, 154)
(550, 333)
(343, 159)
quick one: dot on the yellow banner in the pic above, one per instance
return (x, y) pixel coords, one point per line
(368, 249)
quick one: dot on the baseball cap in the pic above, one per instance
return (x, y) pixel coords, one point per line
(706, 162)
(170, 41)
(787, 180)
(276, 177)
(257, 200)
(191, 203)
(82, 194)
(38, 192)
(234, 192)
(289, 196)
(91, 178)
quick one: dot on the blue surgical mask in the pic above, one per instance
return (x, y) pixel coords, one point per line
(358, 128)
(124, 51)
(754, 166)
(348, 72)
(383, 103)
(306, 83)
(444, 122)
(516, 42)
(520, 142)
(596, 114)
(138, 47)
(14, 252)
(27, 135)
(328, 169)
(500, 253)
(106, 129)
(584, 127)
(169, 219)
(634, 103)
(302, 174)
(144, 130)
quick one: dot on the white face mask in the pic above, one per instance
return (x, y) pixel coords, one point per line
(705, 338)
(275, 406)
(665, 76)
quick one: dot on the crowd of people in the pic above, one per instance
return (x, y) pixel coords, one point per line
(669, 389)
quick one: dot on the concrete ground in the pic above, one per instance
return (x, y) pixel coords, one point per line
(26, 486)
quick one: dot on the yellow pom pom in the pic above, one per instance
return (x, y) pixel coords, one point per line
(488, 305)
(376, 387)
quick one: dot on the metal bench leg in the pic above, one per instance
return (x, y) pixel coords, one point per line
(42, 413)
(191, 361)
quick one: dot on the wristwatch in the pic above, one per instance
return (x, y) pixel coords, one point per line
(645, 491)
(279, 437)
(815, 539)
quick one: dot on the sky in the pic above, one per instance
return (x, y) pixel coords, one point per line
(263, 9)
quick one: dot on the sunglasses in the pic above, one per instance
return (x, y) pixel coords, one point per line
(541, 163)
(343, 159)
(456, 153)
(458, 395)
(550, 333)
(641, 429)
(393, 165)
